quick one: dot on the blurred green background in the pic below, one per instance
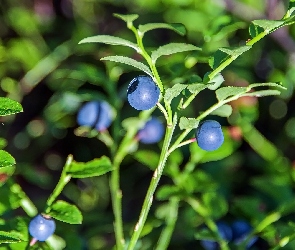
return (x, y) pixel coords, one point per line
(43, 67)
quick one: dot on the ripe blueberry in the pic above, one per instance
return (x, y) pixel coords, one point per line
(143, 93)
(97, 114)
(209, 135)
(241, 230)
(225, 233)
(41, 228)
(152, 131)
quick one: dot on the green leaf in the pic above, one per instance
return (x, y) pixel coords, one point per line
(216, 204)
(261, 93)
(172, 48)
(6, 159)
(68, 213)
(5, 173)
(215, 82)
(166, 191)
(92, 168)
(269, 84)
(10, 237)
(14, 231)
(223, 111)
(9, 107)
(3, 143)
(112, 40)
(147, 157)
(196, 88)
(177, 27)
(224, 54)
(226, 92)
(132, 122)
(267, 26)
(127, 18)
(129, 61)
(188, 123)
(173, 92)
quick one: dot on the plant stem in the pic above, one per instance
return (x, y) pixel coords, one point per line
(171, 218)
(153, 185)
(63, 180)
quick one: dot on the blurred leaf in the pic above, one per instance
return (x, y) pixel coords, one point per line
(147, 157)
(223, 54)
(249, 207)
(188, 123)
(63, 211)
(5, 173)
(56, 242)
(177, 27)
(9, 107)
(223, 111)
(129, 61)
(112, 40)
(215, 82)
(165, 192)
(172, 48)
(3, 143)
(132, 122)
(6, 159)
(92, 168)
(215, 203)
(225, 92)
(174, 91)
(127, 18)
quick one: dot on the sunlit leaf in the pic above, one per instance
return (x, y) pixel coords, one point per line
(129, 61)
(172, 48)
(63, 211)
(188, 123)
(177, 27)
(215, 82)
(6, 159)
(174, 91)
(127, 18)
(225, 92)
(9, 107)
(223, 111)
(112, 40)
(261, 93)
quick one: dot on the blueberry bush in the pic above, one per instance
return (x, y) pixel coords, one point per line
(151, 134)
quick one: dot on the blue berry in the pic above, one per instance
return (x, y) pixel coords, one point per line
(209, 135)
(143, 93)
(41, 228)
(241, 230)
(152, 131)
(225, 233)
(96, 114)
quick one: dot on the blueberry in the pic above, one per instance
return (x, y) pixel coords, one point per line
(209, 135)
(143, 93)
(96, 114)
(41, 228)
(225, 233)
(241, 230)
(152, 131)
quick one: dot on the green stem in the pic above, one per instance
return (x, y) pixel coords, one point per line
(63, 180)
(153, 185)
(171, 218)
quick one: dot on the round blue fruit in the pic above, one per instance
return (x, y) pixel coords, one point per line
(41, 228)
(143, 93)
(241, 230)
(96, 114)
(225, 233)
(209, 135)
(152, 132)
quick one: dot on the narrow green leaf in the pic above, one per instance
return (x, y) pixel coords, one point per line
(174, 91)
(224, 54)
(92, 168)
(112, 40)
(9, 107)
(68, 213)
(215, 82)
(261, 93)
(10, 237)
(291, 8)
(226, 92)
(129, 61)
(127, 18)
(172, 48)
(14, 231)
(223, 111)
(269, 84)
(147, 157)
(177, 27)
(196, 88)
(267, 26)
(6, 159)
(188, 123)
